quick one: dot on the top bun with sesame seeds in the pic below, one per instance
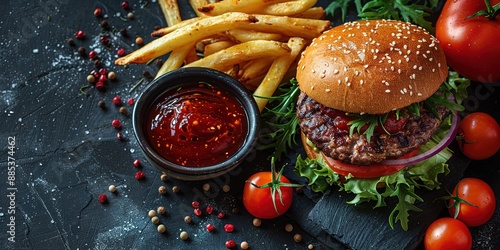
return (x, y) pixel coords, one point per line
(372, 66)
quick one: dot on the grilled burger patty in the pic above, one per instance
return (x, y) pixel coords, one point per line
(355, 149)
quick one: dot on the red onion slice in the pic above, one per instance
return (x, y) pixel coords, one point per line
(450, 136)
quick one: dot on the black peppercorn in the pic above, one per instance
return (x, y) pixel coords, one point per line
(105, 24)
(97, 63)
(147, 75)
(101, 104)
(82, 51)
(71, 42)
(123, 32)
(159, 62)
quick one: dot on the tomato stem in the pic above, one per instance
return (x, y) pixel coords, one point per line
(491, 11)
(456, 202)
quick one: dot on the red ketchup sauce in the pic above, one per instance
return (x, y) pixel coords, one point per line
(196, 125)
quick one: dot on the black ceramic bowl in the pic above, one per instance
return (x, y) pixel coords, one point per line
(176, 80)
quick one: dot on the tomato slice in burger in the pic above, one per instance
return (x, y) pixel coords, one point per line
(365, 172)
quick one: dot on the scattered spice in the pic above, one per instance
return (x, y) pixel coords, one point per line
(97, 63)
(197, 212)
(131, 101)
(101, 104)
(147, 75)
(123, 110)
(221, 215)
(163, 176)
(310, 246)
(230, 244)
(299, 190)
(111, 75)
(103, 198)
(288, 227)
(195, 204)
(139, 41)
(71, 42)
(97, 12)
(100, 86)
(140, 175)
(162, 190)
(103, 71)
(103, 78)
(184, 235)
(297, 238)
(155, 220)
(176, 189)
(161, 228)
(93, 54)
(80, 34)
(104, 40)
(82, 51)
(210, 228)
(257, 222)
(105, 24)
(229, 228)
(90, 79)
(112, 188)
(125, 5)
(119, 135)
(226, 188)
(123, 32)
(206, 186)
(161, 210)
(130, 15)
(120, 52)
(137, 163)
(151, 213)
(244, 245)
(115, 123)
(117, 100)
(209, 209)
(235, 210)
(187, 219)
(159, 62)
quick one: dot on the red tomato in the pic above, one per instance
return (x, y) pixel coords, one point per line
(259, 201)
(480, 136)
(372, 171)
(482, 198)
(470, 44)
(447, 233)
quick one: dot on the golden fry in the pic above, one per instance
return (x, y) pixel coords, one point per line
(185, 35)
(245, 6)
(170, 10)
(227, 58)
(175, 59)
(195, 4)
(212, 48)
(277, 72)
(289, 26)
(255, 68)
(241, 35)
(169, 29)
(312, 13)
(288, 8)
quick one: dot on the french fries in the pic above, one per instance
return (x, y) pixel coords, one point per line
(186, 34)
(257, 42)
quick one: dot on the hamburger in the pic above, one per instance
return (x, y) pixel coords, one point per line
(372, 95)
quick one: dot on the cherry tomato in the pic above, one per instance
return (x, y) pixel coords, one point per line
(372, 171)
(259, 201)
(447, 233)
(470, 44)
(481, 201)
(480, 136)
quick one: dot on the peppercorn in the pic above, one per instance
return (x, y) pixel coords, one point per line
(120, 52)
(102, 71)
(288, 227)
(102, 198)
(155, 220)
(112, 188)
(105, 24)
(139, 41)
(101, 104)
(235, 210)
(111, 75)
(131, 101)
(123, 110)
(297, 238)
(137, 163)
(80, 34)
(229, 228)
(209, 209)
(93, 54)
(82, 51)
(97, 12)
(159, 62)
(147, 75)
(71, 42)
(97, 63)
(140, 175)
(116, 123)
(130, 15)
(210, 228)
(125, 5)
(161, 228)
(162, 190)
(187, 219)
(117, 100)
(195, 204)
(310, 246)
(226, 188)
(230, 244)
(119, 135)
(123, 32)
(163, 177)
(175, 189)
(244, 245)
(184, 235)
(221, 215)
(104, 39)
(206, 186)
(151, 213)
(197, 212)
(161, 210)
(90, 79)
(257, 222)
(100, 86)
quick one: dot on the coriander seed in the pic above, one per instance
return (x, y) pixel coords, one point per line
(111, 75)
(310, 246)
(161, 210)
(257, 222)
(184, 235)
(139, 40)
(297, 238)
(226, 188)
(123, 110)
(161, 228)
(162, 190)
(151, 213)
(112, 188)
(244, 245)
(176, 189)
(187, 219)
(90, 78)
(155, 220)
(288, 227)
(164, 177)
(130, 15)
(206, 186)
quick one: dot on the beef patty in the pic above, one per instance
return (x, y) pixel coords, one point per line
(355, 149)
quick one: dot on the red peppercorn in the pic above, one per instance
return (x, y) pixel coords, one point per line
(95, 73)
(140, 175)
(230, 244)
(102, 198)
(125, 5)
(229, 228)
(93, 54)
(221, 215)
(210, 227)
(104, 39)
(103, 71)
(195, 204)
(99, 85)
(103, 78)
(209, 209)
(120, 52)
(119, 135)
(80, 34)
(197, 212)
(116, 124)
(137, 163)
(131, 101)
(97, 12)
(117, 100)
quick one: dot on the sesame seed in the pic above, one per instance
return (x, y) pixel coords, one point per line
(313, 70)
(336, 71)
(361, 82)
(387, 91)
(327, 90)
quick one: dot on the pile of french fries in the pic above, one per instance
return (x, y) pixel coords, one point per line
(256, 41)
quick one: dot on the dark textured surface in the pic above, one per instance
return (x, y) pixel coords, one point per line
(67, 152)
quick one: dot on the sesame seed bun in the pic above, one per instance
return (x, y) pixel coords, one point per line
(372, 66)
